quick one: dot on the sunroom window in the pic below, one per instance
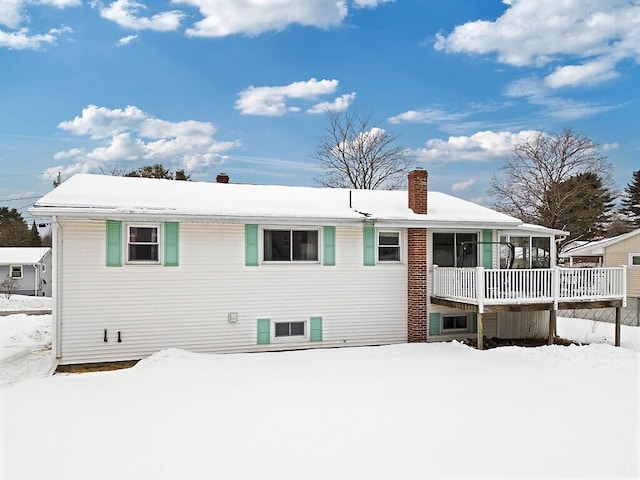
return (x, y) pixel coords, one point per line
(455, 249)
(143, 244)
(291, 245)
(529, 252)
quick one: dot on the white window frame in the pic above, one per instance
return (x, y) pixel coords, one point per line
(18, 267)
(127, 232)
(399, 246)
(478, 236)
(291, 229)
(290, 338)
(445, 331)
(631, 257)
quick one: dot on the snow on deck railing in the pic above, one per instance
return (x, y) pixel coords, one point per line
(489, 286)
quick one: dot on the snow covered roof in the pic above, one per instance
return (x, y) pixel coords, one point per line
(22, 255)
(596, 249)
(102, 196)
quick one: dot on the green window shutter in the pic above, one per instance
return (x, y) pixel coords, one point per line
(369, 242)
(474, 323)
(434, 324)
(487, 249)
(264, 333)
(114, 243)
(315, 329)
(171, 244)
(329, 241)
(251, 246)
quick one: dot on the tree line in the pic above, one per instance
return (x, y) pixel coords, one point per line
(556, 180)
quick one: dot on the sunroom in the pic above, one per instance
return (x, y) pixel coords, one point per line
(510, 271)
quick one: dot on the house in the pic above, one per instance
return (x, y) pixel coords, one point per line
(144, 264)
(613, 252)
(30, 267)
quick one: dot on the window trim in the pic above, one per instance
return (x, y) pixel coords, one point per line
(631, 257)
(455, 233)
(291, 229)
(445, 331)
(21, 271)
(159, 243)
(398, 246)
(290, 338)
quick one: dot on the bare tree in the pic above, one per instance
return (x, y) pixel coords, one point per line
(550, 178)
(356, 153)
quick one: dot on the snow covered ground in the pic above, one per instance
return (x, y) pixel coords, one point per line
(421, 410)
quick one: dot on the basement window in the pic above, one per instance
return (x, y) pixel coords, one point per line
(455, 323)
(289, 329)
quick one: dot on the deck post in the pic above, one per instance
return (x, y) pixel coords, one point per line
(553, 315)
(618, 316)
(480, 332)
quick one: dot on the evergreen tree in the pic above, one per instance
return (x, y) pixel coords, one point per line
(580, 204)
(34, 236)
(14, 232)
(630, 205)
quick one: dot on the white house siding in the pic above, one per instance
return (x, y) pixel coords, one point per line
(618, 254)
(156, 307)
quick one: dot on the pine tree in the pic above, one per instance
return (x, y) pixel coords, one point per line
(35, 240)
(630, 205)
(14, 232)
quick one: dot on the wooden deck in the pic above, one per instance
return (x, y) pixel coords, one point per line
(492, 291)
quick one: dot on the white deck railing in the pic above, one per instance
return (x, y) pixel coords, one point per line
(495, 287)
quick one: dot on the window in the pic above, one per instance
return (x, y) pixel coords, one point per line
(529, 252)
(388, 246)
(452, 249)
(634, 259)
(291, 245)
(16, 271)
(455, 322)
(143, 244)
(289, 329)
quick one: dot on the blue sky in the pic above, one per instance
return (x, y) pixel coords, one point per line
(240, 86)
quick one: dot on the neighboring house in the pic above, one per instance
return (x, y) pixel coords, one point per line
(142, 264)
(30, 267)
(613, 252)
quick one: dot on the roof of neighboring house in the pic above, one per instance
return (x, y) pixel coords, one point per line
(22, 255)
(102, 196)
(596, 249)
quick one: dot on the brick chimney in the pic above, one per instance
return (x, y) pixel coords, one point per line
(222, 178)
(418, 191)
(417, 261)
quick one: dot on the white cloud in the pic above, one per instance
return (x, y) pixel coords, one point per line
(369, 3)
(13, 13)
(610, 146)
(272, 101)
(126, 40)
(339, 104)
(537, 93)
(21, 40)
(132, 135)
(250, 17)
(460, 186)
(540, 32)
(426, 116)
(480, 147)
(126, 14)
